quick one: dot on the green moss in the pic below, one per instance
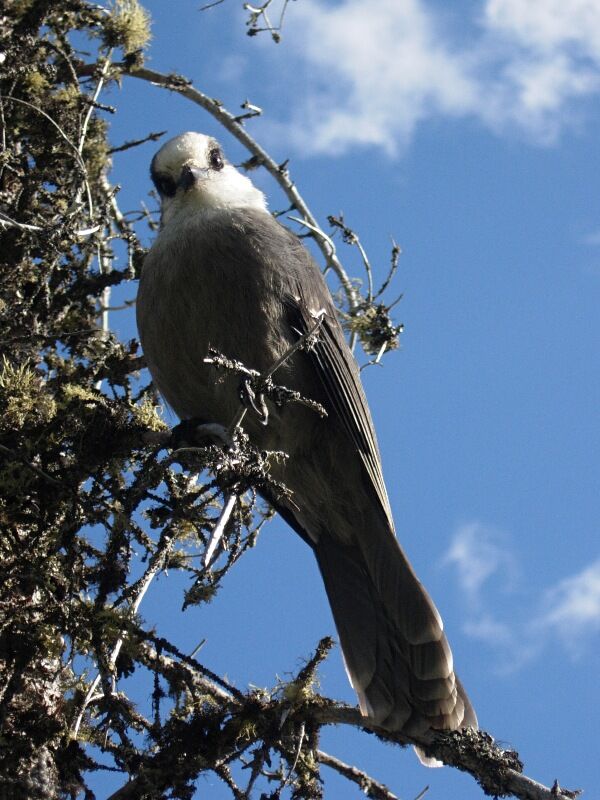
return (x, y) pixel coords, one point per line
(128, 26)
(36, 84)
(147, 415)
(24, 396)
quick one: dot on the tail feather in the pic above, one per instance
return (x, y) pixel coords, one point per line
(395, 651)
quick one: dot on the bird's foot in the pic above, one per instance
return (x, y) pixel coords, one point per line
(251, 398)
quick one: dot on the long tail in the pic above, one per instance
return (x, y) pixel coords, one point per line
(395, 651)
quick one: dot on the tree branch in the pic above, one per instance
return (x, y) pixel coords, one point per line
(497, 771)
(368, 786)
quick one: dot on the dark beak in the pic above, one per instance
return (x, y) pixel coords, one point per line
(190, 175)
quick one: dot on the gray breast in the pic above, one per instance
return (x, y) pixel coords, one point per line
(213, 280)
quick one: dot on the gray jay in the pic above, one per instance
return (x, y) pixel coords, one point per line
(224, 274)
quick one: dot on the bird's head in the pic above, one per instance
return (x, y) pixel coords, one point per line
(191, 173)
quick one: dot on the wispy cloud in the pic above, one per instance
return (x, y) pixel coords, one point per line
(479, 553)
(568, 612)
(374, 71)
(571, 610)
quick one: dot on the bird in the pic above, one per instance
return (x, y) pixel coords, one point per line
(223, 273)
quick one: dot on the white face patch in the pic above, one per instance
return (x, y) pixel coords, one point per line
(215, 182)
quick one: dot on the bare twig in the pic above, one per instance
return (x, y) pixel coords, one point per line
(368, 785)
(152, 137)
(327, 239)
(219, 529)
(394, 258)
(261, 382)
(53, 122)
(256, 12)
(350, 237)
(319, 316)
(7, 222)
(251, 111)
(63, 135)
(94, 99)
(377, 360)
(126, 305)
(422, 793)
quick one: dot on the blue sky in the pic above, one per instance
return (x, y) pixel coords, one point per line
(470, 134)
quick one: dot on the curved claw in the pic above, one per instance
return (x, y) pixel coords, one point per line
(250, 399)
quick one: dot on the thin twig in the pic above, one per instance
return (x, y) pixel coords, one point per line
(154, 568)
(377, 360)
(7, 222)
(294, 764)
(328, 240)
(152, 137)
(368, 785)
(261, 381)
(256, 12)
(52, 122)
(93, 101)
(319, 317)
(78, 158)
(422, 793)
(351, 238)
(394, 258)
(15, 456)
(219, 529)
(251, 111)
(126, 304)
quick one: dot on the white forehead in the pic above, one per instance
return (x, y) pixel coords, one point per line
(190, 146)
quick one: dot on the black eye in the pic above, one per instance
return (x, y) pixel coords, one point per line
(165, 185)
(215, 158)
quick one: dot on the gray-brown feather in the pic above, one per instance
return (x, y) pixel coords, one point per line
(237, 281)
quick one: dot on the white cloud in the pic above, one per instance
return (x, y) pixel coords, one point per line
(547, 25)
(375, 70)
(478, 552)
(568, 613)
(572, 608)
